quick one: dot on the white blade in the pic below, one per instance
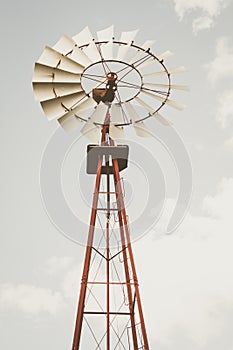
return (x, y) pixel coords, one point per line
(116, 132)
(107, 50)
(47, 91)
(84, 37)
(69, 123)
(165, 55)
(92, 52)
(148, 62)
(140, 54)
(55, 59)
(175, 87)
(83, 105)
(170, 71)
(161, 119)
(99, 114)
(57, 107)
(141, 130)
(161, 57)
(162, 99)
(116, 115)
(131, 112)
(144, 104)
(48, 74)
(106, 34)
(126, 37)
(91, 131)
(68, 47)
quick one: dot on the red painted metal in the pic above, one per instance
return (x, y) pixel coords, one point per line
(133, 309)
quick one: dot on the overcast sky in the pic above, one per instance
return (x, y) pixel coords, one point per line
(188, 294)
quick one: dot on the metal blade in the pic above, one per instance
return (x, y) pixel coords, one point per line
(46, 91)
(48, 74)
(165, 55)
(92, 52)
(126, 37)
(84, 37)
(116, 115)
(99, 115)
(170, 71)
(175, 87)
(107, 51)
(144, 104)
(68, 47)
(140, 54)
(151, 61)
(161, 119)
(106, 34)
(133, 115)
(116, 132)
(91, 131)
(141, 130)
(83, 105)
(69, 123)
(162, 99)
(52, 58)
(57, 107)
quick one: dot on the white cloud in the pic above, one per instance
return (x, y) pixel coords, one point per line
(222, 65)
(203, 22)
(225, 108)
(30, 299)
(190, 286)
(210, 10)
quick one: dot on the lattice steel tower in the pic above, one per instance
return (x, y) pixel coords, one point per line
(102, 86)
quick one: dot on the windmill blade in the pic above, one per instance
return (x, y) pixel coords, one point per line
(116, 132)
(52, 58)
(126, 37)
(92, 52)
(82, 106)
(165, 55)
(107, 51)
(166, 86)
(161, 119)
(84, 37)
(91, 131)
(57, 107)
(106, 34)
(133, 115)
(69, 123)
(170, 71)
(153, 60)
(99, 114)
(164, 100)
(146, 46)
(45, 91)
(68, 47)
(48, 74)
(144, 104)
(142, 130)
(116, 113)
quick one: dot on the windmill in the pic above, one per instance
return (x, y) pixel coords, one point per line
(100, 86)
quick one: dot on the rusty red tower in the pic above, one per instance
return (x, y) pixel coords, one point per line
(100, 87)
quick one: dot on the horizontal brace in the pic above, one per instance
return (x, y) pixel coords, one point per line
(108, 209)
(115, 283)
(105, 313)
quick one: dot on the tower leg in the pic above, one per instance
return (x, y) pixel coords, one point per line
(81, 304)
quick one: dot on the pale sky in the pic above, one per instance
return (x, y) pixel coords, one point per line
(185, 278)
